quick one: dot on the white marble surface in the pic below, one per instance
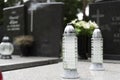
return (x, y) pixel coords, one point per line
(55, 71)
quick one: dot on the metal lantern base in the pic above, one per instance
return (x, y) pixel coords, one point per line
(97, 67)
(70, 74)
(6, 57)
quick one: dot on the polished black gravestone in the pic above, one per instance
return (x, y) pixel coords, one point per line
(46, 25)
(14, 21)
(107, 15)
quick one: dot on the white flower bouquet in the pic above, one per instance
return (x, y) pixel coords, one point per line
(83, 27)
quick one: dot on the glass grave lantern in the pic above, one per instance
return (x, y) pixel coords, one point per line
(6, 48)
(97, 50)
(70, 56)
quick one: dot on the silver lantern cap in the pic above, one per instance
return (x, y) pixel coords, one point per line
(69, 29)
(97, 33)
(5, 39)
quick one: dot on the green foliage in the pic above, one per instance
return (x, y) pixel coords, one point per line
(12, 2)
(71, 8)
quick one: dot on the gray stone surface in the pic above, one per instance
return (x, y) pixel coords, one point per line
(18, 62)
(54, 72)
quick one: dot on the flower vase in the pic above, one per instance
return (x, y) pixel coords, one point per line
(89, 46)
(25, 50)
(82, 46)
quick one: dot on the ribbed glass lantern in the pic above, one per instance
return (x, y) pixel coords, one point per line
(70, 56)
(6, 48)
(97, 50)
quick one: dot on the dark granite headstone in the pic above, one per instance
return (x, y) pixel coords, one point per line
(14, 21)
(107, 15)
(47, 28)
(44, 21)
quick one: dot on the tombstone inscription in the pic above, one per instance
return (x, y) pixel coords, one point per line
(109, 24)
(14, 21)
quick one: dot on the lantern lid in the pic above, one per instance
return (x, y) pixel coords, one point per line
(97, 33)
(5, 39)
(69, 29)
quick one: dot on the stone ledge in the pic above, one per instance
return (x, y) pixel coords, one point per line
(26, 62)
